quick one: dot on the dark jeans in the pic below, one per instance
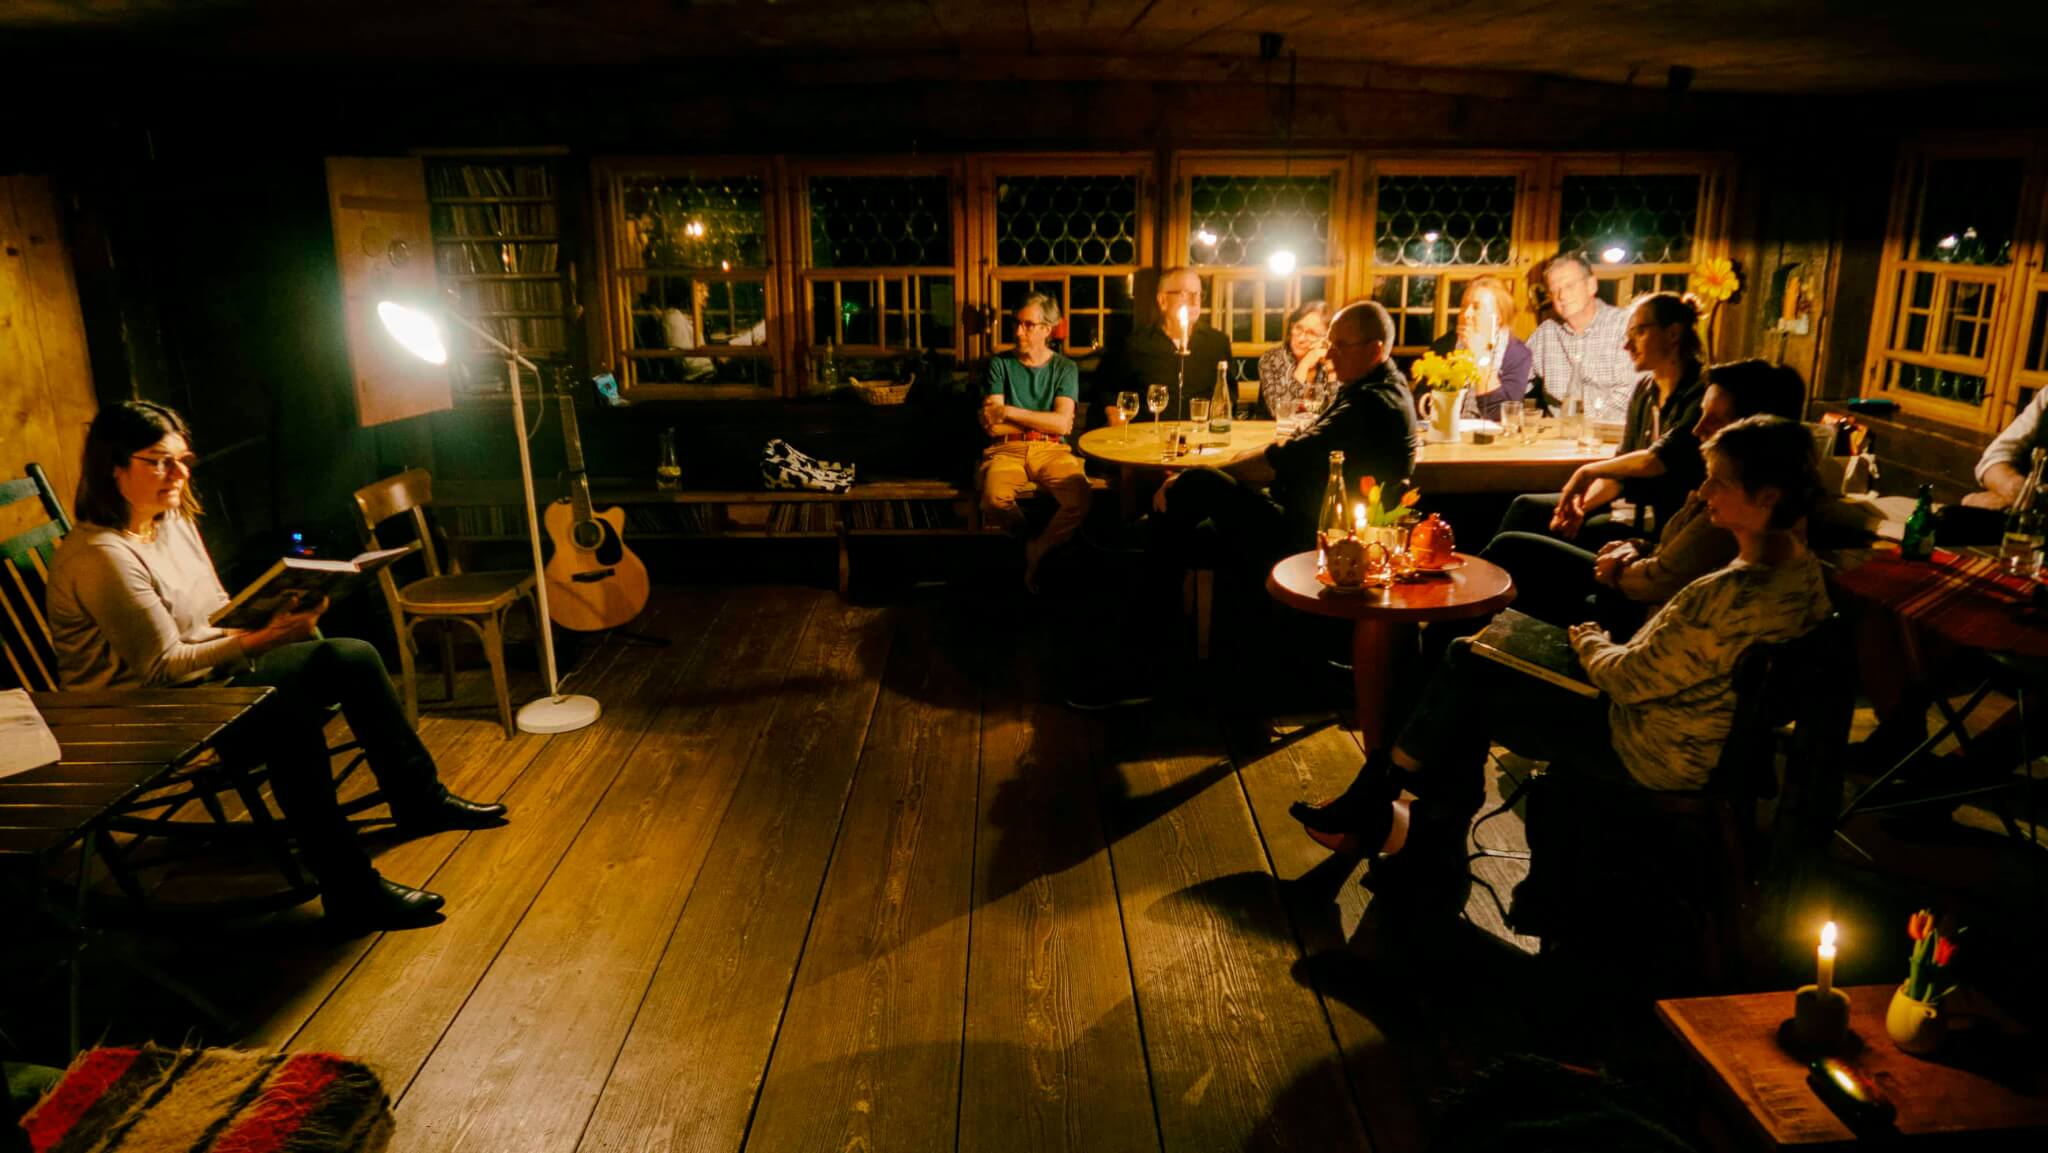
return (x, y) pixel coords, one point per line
(287, 732)
(1554, 582)
(1472, 703)
(1213, 521)
(1531, 513)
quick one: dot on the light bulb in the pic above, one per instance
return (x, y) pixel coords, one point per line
(1280, 262)
(417, 331)
(1613, 254)
(1205, 238)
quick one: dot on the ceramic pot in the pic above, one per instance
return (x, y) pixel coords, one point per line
(1915, 1026)
(1346, 562)
(1440, 413)
(1432, 542)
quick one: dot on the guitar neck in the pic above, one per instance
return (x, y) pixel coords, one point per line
(572, 448)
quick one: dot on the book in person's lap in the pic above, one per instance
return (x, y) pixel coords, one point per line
(1535, 647)
(301, 580)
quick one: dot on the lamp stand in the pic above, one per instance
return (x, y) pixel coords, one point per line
(557, 712)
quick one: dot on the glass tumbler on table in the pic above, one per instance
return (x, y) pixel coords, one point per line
(1198, 419)
(1510, 422)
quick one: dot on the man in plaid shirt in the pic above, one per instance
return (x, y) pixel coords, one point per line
(1579, 353)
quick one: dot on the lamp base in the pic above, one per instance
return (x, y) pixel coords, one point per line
(562, 714)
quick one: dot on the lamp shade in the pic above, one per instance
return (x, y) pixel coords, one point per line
(414, 329)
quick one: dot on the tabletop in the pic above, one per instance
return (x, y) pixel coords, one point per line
(113, 744)
(1988, 1080)
(1475, 588)
(1503, 466)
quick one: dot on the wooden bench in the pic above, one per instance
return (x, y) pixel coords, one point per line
(490, 511)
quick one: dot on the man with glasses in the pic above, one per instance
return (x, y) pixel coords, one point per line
(1578, 352)
(1028, 413)
(1153, 353)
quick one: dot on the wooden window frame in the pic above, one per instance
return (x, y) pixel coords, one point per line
(1710, 220)
(611, 324)
(1524, 231)
(984, 169)
(808, 274)
(2006, 379)
(1335, 265)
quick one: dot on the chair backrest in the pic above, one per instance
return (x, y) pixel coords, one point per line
(24, 631)
(411, 491)
(1804, 682)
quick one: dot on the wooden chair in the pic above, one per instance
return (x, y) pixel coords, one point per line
(30, 653)
(478, 601)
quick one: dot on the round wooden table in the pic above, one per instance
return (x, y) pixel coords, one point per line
(1141, 444)
(1478, 588)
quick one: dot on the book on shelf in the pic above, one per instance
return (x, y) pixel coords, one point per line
(1534, 647)
(303, 580)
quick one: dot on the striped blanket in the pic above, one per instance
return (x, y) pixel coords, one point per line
(211, 1101)
(1964, 598)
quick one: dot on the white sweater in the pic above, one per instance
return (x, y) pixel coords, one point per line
(128, 613)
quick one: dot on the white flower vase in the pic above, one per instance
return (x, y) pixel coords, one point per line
(1440, 411)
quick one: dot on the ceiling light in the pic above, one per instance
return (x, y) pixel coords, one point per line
(1431, 237)
(1947, 242)
(1205, 238)
(1280, 262)
(1613, 254)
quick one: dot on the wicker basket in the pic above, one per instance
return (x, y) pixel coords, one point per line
(883, 391)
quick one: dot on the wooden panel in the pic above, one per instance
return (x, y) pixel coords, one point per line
(1241, 1054)
(869, 1053)
(46, 394)
(1054, 1058)
(688, 1073)
(383, 247)
(599, 927)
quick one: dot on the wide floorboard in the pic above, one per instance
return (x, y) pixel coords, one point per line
(829, 876)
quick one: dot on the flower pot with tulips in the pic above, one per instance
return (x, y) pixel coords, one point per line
(1917, 1019)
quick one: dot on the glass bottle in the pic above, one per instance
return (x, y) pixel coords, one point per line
(1917, 543)
(1332, 525)
(828, 367)
(1221, 404)
(2026, 526)
(668, 472)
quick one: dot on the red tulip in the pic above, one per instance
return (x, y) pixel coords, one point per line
(1920, 924)
(1365, 486)
(1943, 950)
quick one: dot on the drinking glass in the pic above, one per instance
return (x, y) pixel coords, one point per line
(1198, 415)
(1510, 422)
(1532, 421)
(1127, 404)
(1155, 403)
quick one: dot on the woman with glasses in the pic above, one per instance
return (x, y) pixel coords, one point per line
(1297, 370)
(130, 592)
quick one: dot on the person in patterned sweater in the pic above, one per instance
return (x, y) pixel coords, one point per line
(1667, 694)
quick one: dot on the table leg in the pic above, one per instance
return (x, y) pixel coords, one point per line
(1372, 665)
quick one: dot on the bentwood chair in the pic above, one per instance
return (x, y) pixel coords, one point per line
(478, 601)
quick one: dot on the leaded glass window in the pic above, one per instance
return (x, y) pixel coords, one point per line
(1240, 220)
(1646, 219)
(1097, 308)
(880, 222)
(693, 222)
(1939, 383)
(1968, 207)
(1066, 221)
(1444, 220)
(909, 311)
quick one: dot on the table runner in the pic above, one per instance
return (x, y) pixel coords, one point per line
(1966, 598)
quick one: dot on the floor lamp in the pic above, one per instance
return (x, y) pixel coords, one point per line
(417, 330)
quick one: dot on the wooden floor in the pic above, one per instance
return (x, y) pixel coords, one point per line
(830, 876)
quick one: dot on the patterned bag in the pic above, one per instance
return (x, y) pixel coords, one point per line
(784, 467)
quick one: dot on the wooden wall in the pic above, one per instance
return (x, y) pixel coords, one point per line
(46, 393)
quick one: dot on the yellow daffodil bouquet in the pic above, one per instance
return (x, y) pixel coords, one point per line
(1459, 370)
(1714, 282)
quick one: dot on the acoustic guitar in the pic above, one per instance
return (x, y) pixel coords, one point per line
(594, 581)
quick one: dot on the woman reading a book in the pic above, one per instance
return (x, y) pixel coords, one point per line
(130, 593)
(1653, 710)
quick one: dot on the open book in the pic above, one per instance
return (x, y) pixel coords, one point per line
(301, 580)
(1538, 648)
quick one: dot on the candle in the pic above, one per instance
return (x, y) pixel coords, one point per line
(1358, 518)
(1184, 333)
(1826, 979)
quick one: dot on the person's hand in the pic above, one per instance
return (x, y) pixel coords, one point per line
(991, 413)
(288, 625)
(1610, 546)
(1159, 495)
(1580, 632)
(1571, 505)
(1612, 559)
(1986, 499)
(1305, 368)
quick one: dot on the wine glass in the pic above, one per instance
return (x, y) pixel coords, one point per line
(1155, 403)
(1127, 404)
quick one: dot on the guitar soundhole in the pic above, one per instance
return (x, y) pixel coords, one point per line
(598, 536)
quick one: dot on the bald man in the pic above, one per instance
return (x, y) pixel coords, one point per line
(1371, 421)
(1152, 354)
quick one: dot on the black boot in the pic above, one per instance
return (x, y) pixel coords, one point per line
(449, 812)
(1363, 809)
(376, 902)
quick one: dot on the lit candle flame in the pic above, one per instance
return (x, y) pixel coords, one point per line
(1358, 517)
(1827, 938)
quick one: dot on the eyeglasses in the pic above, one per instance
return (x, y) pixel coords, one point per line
(1034, 324)
(161, 465)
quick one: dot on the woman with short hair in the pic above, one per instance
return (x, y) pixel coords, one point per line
(130, 593)
(1298, 368)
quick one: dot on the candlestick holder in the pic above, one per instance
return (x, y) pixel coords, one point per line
(1820, 1018)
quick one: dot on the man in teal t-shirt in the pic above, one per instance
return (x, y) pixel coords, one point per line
(1028, 413)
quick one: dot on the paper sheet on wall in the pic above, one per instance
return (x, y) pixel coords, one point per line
(25, 741)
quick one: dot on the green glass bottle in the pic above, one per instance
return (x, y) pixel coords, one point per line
(1918, 541)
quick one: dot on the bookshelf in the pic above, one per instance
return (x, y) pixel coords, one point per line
(498, 243)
